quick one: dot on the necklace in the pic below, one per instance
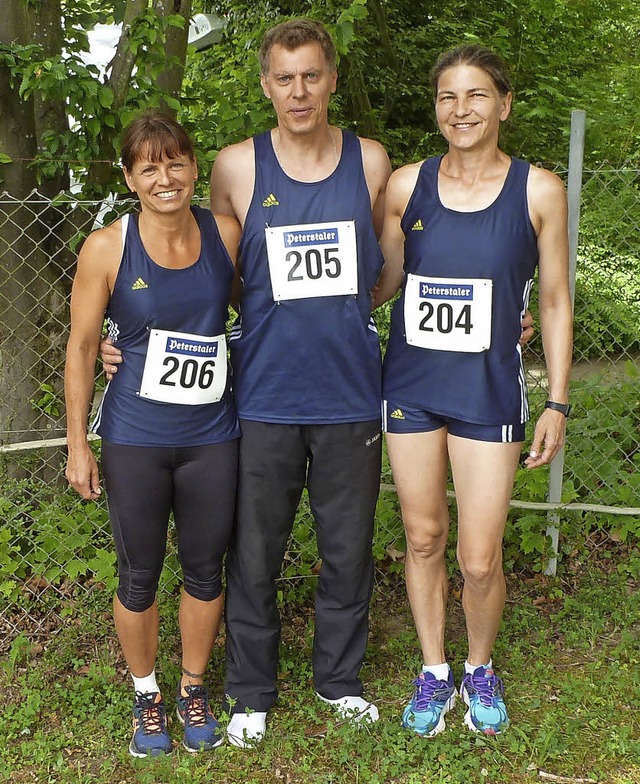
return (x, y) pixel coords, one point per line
(276, 146)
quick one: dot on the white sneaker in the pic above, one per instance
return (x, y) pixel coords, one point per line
(355, 708)
(246, 729)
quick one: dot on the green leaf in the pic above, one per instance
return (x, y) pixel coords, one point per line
(175, 20)
(75, 568)
(344, 36)
(93, 126)
(105, 96)
(7, 586)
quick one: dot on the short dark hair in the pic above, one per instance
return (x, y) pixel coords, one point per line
(295, 33)
(478, 56)
(158, 134)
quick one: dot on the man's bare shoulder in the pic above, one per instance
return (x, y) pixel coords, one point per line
(235, 155)
(374, 155)
(372, 148)
(232, 178)
(377, 170)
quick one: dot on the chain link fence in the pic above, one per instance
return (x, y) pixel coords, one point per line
(55, 551)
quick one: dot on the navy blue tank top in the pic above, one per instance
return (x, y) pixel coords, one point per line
(305, 349)
(185, 307)
(453, 344)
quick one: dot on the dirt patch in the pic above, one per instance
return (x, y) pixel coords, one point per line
(610, 370)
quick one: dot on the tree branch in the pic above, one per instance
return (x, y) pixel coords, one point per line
(170, 80)
(124, 59)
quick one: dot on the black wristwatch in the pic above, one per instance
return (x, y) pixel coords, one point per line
(563, 408)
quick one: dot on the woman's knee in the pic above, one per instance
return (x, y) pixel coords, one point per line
(206, 589)
(481, 569)
(426, 541)
(137, 588)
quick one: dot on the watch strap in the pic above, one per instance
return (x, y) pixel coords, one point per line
(563, 408)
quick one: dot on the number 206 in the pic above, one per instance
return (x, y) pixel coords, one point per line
(190, 374)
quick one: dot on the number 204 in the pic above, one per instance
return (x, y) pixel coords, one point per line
(444, 316)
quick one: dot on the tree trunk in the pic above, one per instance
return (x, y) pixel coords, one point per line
(31, 310)
(359, 106)
(170, 80)
(17, 124)
(49, 115)
(124, 59)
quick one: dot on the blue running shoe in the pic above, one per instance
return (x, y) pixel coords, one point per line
(201, 730)
(431, 700)
(150, 736)
(483, 692)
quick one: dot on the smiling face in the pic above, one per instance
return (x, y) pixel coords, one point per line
(299, 83)
(165, 185)
(469, 107)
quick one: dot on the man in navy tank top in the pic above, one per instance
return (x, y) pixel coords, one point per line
(307, 372)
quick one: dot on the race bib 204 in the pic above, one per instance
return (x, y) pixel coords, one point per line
(448, 314)
(312, 260)
(185, 369)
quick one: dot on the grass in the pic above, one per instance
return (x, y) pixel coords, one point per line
(568, 652)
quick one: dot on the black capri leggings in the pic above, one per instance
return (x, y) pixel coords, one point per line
(144, 484)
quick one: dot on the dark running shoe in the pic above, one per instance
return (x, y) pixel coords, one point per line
(150, 736)
(201, 730)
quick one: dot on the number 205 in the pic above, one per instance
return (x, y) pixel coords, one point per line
(314, 263)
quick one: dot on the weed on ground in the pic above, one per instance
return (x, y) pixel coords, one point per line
(568, 652)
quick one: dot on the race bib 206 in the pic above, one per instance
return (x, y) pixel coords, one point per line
(185, 369)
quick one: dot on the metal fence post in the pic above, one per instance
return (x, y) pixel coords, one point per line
(574, 187)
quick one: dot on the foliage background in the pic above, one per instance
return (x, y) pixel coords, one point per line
(564, 54)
